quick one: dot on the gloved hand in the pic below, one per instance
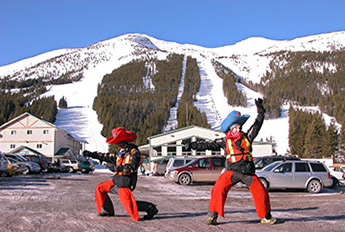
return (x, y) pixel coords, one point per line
(259, 106)
(111, 168)
(118, 168)
(127, 168)
(190, 146)
(187, 146)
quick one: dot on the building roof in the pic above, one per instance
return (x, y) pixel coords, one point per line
(182, 129)
(62, 151)
(26, 148)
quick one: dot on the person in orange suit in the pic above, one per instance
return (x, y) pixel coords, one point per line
(239, 165)
(124, 180)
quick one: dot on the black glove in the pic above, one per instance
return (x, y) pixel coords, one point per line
(112, 168)
(260, 107)
(118, 168)
(190, 146)
(187, 146)
(127, 168)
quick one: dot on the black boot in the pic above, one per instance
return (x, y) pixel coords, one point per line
(108, 209)
(147, 207)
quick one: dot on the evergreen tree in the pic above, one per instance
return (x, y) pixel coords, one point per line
(331, 141)
(314, 138)
(63, 103)
(341, 147)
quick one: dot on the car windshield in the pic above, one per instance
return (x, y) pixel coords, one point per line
(271, 166)
(21, 158)
(34, 158)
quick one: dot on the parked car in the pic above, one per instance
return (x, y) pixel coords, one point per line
(295, 174)
(337, 172)
(39, 159)
(4, 171)
(86, 166)
(73, 165)
(204, 169)
(176, 162)
(21, 167)
(31, 167)
(261, 162)
(160, 165)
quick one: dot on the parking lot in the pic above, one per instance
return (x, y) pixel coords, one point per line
(65, 202)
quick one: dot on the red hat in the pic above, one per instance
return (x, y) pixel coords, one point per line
(120, 134)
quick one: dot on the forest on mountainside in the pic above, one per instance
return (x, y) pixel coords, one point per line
(234, 97)
(306, 79)
(187, 113)
(309, 136)
(124, 100)
(26, 100)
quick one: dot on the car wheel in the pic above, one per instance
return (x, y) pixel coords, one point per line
(264, 182)
(70, 170)
(26, 171)
(314, 186)
(185, 179)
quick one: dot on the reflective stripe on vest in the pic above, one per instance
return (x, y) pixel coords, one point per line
(233, 152)
(124, 160)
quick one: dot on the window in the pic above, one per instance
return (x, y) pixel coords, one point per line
(12, 146)
(178, 163)
(203, 163)
(285, 167)
(29, 132)
(218, 162)
(45, 132)
(39, 145)
(13, 132)
(301, 167)
(318, 167)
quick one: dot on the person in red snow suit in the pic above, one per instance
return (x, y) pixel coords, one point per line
(124, 180)
(239, 165)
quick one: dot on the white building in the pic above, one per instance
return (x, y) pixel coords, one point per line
(30, 133)
(171, 143)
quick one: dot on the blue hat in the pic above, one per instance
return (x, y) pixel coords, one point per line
(234, 118)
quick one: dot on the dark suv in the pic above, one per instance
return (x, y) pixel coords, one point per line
(205, 169)
(261, 162)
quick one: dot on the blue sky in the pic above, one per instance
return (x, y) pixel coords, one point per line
(32, 27)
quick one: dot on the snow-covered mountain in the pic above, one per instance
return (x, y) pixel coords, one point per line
(249, 59)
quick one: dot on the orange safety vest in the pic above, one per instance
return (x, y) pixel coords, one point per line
(234, 155)
(122, 161)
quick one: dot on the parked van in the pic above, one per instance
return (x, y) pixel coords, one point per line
(203, 169)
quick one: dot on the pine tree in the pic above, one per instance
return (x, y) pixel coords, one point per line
(341, 147)
(313, 141)
(331, 141)
(63, 103)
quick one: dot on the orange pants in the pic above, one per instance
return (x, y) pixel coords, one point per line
(225, 181)
(125, 195)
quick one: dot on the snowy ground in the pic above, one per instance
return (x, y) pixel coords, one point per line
(65, 202)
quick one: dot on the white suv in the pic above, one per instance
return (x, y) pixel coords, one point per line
(73, 165)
